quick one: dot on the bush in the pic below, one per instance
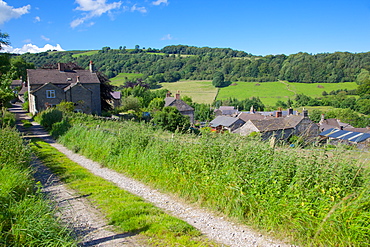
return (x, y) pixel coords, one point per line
(7, 119)
(49, 117)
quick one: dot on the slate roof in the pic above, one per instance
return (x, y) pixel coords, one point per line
(248, 116)
(178, 103)
(116, 94)
(223, 121)
(42, 76)
(345, 135)
(16, 83)
(280, 123)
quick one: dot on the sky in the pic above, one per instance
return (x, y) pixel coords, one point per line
(264, 27)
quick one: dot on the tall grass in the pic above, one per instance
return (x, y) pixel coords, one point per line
(130, 213)
(303, 196)
(26, 219)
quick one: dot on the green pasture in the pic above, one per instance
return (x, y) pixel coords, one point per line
(271, 92)
(86, 53)
(199, 91)
(121, 78)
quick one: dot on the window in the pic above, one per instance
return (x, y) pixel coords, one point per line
(50, 93)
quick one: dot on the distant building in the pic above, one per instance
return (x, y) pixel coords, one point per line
(180, 105)
(49, 87)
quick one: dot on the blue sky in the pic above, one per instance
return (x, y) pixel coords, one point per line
(259, 27)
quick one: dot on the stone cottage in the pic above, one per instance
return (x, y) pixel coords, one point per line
(281, 127)
(180, 105)
(49, 87)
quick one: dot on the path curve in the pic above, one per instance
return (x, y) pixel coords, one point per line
(215, 227)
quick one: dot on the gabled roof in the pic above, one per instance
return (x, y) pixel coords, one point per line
(73, 85)
(178, 103)
(42, 76)
(248, 116)
(345, 135)
(280, 123)
(224, 121)
(49, 84)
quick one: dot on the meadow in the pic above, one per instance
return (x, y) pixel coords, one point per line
(271, 92)
(199, 91)
(309, 198)
(121, 78)
(85, 53)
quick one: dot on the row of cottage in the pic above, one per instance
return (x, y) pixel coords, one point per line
(48, 87)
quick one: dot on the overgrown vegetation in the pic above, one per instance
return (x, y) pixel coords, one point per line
(130, 213)
(300, 195)
(26, 219)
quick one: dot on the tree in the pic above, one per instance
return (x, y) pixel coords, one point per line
(171, 119)
(218, 79)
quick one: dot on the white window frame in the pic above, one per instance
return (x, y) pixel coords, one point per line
(50, 94)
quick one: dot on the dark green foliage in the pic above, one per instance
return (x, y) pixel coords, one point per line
(169, 118)
(218, 79)
(7, 119)
(49, 117)
(200, 64)
(242, 105)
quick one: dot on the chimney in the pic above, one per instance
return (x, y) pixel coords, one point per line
(61, 67)
(290, 111)
(168, 94)
(305, 113)
(91, 67)
(78, 79)
(322, 118)
(178, 95)
(279, 113)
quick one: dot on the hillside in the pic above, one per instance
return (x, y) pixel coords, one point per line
(173, 63)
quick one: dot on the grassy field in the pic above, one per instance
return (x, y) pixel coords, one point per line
(86, 53)
(271, 92)
(270, 189)
(199, 91)
(128, 212)
(121, 78)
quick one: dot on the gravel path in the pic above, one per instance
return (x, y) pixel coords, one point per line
(216, 228)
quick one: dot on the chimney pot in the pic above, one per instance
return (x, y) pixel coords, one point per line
(178, 95)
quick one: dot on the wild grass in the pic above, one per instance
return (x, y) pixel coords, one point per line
(271, 92)
(26, 218)
(85, 53)
(309, 198)
(124, 210)
(121, 78)
(199, 91)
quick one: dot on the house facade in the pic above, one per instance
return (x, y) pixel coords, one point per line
(180, 105)
(281, 127)
(49, 87)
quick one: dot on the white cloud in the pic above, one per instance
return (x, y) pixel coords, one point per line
(32, 48)
(44, 38)
(167, 37)
(93, 8)
(37, 19)
(158, 2)
(140, 9)
(9, 12)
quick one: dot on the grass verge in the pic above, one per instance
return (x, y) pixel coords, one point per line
(124, 210)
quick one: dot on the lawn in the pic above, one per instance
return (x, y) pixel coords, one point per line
(271, 92)
(121, 78)
(199, 91)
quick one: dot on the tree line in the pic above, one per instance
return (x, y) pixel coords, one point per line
(173, 63)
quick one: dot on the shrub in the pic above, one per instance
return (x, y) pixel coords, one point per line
(7, 119)
(49, 117)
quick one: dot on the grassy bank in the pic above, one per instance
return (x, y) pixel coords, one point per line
(124, 210)
(26, 219)
(307, 197)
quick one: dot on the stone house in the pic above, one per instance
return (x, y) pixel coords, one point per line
(225, 123)
(281, 127)
(180, 105)
(49, 87)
